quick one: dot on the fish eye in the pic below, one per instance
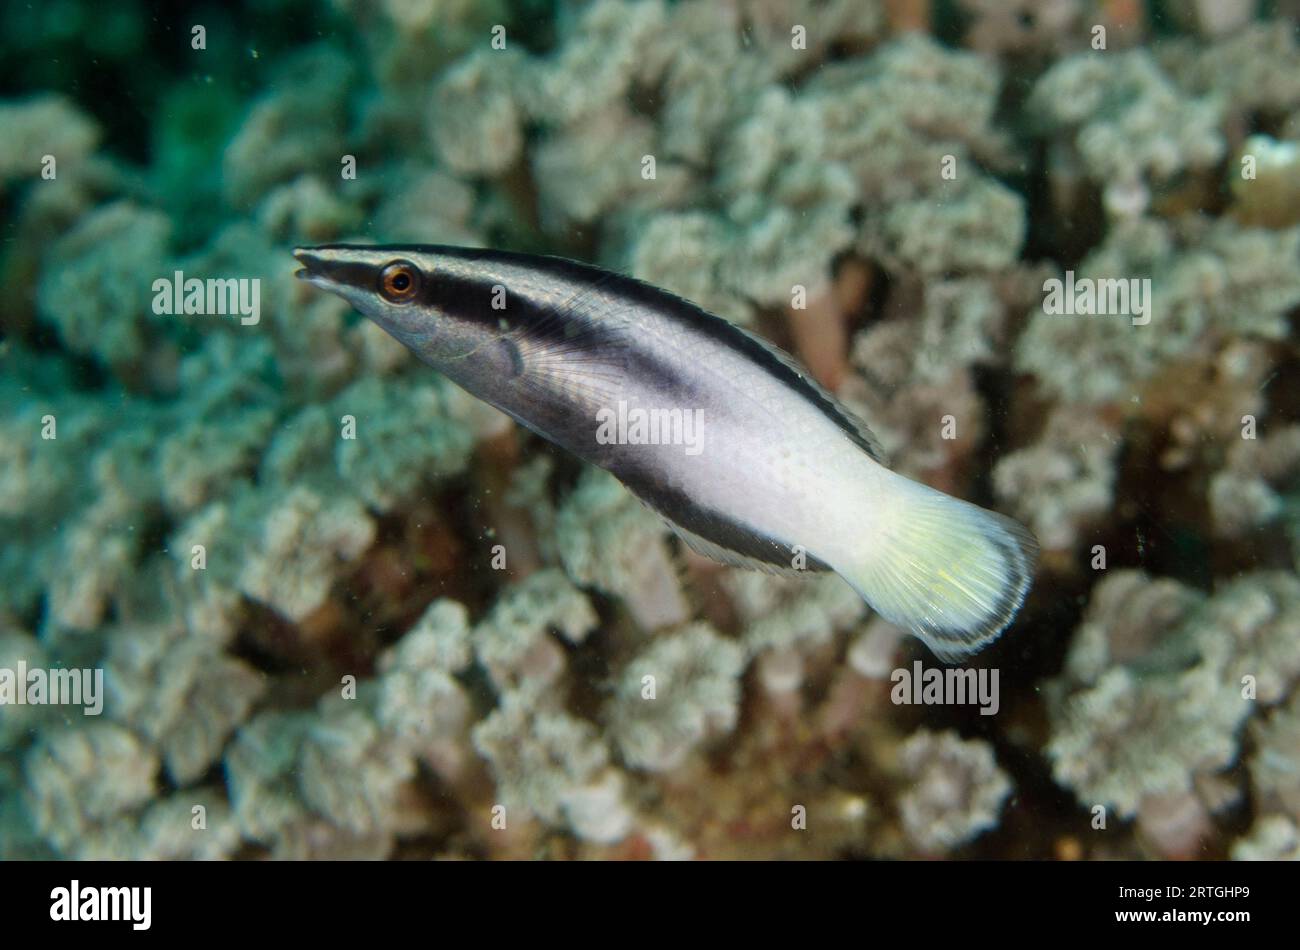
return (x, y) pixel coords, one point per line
(399, 282)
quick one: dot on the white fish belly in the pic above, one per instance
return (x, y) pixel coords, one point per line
(777, 465)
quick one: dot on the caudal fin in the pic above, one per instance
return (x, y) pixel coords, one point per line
(952, 573)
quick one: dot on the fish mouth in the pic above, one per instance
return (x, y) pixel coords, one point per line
(335, 268)
(313, 268)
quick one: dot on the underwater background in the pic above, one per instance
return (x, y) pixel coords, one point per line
(342, 609)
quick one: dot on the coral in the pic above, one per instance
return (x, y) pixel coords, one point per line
(94, 558)
(407, 434)
(956, 790)
(1250, 628)
(96, 289)
(477, 125)
(597, 166)
(195, 825)
(873, 654)
(440, 639)
(40, 126)
(598, 66)
(1243, 494)
(81, 778)
(1126, 118)
(1255, 69)
(893, 117)
(786, 613)
(976, 228)
(1155, 711)
(1276, 793)
(684, 252)
(706, 69)
(427, 205)
(18, 721)
(608, 540)
(1125, 739)
(906, 405)
(287, 771)
(420, 703)
(682, 690)
(38, 474)
(193, 468)
(599, 811)
(511, 642)
(541, 760)
(963, 322)
(1128, 615)
(1064, 482)
(300, 126)
(1206, 283)
(181, 692)
(281, 549)
(350, 773)
(1276, 761)
(793, 211)
(305, 209)
(1274, 838)
(1233, 381)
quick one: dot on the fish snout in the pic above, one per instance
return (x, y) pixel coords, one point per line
(313, 265)
(341, 268)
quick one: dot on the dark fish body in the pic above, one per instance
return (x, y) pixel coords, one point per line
(722, 434)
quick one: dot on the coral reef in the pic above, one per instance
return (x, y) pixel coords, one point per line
(344, 610)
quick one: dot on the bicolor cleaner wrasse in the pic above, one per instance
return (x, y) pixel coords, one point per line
(748, 459)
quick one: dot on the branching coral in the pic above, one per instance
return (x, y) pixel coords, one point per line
(1146, 716)
(679, 692)
(608, 540)
(1207, 282)
(1128, 120)
(279, 549)
(541, 759)
(84, 777)
(96, 289)
(512, 642)
(300, 126)
(179, 691)
(40, 126)
(288, 771)
(1244, 493)
(1064, 482)
(958, 789)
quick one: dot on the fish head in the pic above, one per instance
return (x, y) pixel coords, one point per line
(398, 288)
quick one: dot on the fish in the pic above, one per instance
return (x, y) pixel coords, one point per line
(746, 457)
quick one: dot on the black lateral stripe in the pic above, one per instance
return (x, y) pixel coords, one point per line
(714, 527)
(639, 292)
(570, 331)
